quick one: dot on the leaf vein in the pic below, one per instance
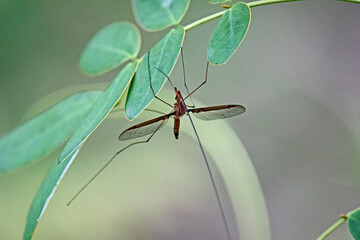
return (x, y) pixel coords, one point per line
(171, 14)
(111, 49)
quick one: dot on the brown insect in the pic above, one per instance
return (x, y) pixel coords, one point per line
(179, 109)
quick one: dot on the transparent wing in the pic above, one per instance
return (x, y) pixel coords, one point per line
(217, 112)
(144, 128)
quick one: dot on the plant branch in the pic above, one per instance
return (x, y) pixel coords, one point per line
(266, 2)
(341, 220)
(353, 1)
(250, 4)
(204, 20)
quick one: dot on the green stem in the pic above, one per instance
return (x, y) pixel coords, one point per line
(341, 220)
(266, 2)
(204, 20)
(250, 4)
(353, 1)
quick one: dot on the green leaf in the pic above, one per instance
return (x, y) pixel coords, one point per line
(44, 195)
(354, 224)
(110, 47)
(154, 15)
(217, 1)
(54, 97)
(101, 108)
(229, 33)
(42, 134)
(163, 56)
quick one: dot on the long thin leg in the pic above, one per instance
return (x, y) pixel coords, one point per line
(183, 67)
(111, 159)
(115, 110)
(206, 74)
(210, 174)
(152, 89)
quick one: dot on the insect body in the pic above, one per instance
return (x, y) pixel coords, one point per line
(179, 110)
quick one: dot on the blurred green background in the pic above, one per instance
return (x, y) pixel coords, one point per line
(297, 72)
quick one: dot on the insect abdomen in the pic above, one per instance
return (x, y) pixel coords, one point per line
(176, 126)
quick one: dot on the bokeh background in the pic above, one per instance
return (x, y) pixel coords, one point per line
(297, 72)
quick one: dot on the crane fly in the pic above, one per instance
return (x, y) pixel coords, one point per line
(179, 109)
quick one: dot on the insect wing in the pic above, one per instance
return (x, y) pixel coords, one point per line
(144, 128)
(217, 112)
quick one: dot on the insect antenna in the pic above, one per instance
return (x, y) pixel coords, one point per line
(209, 170)
(165, 76)
(152, 89)
(108, 162)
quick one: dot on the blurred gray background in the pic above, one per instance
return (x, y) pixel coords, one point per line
(297, 72)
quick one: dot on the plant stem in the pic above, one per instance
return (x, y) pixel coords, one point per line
(266, 2)
(354, 1)
(204, 20)
(341, 220)
(250, 4)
